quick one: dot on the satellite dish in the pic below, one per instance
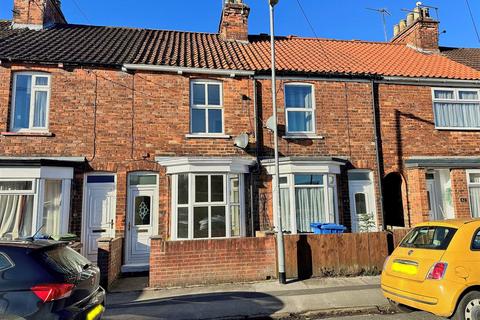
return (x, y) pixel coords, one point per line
(270, 125)
(241, 141)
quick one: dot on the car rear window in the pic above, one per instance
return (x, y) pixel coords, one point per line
(63, 260)
(429, 237)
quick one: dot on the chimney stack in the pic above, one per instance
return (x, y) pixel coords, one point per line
(234, 22)
(37, 14)
(419, 31)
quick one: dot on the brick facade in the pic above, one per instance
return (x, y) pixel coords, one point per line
(182, 263)
(110, 251)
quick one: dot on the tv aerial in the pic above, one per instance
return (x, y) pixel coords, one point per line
(384, 12)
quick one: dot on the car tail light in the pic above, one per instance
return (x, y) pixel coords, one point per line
(53, 291)
(385, 263)
(437, 271)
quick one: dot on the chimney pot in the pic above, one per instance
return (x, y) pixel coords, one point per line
(410, 19)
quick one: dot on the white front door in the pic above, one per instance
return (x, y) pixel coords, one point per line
(434, 209)
(362, 206)
(142, 212)
(100, 207)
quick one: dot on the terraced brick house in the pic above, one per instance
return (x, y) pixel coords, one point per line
(131, 133)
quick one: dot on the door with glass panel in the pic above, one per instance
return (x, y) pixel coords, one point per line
(474, 191)
(362, 202)
(142, 212)
(100, 209)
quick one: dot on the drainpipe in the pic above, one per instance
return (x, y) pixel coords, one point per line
(377, 150)
(257, 155)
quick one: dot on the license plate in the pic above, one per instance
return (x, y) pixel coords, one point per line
(95, 312)
(409, 269)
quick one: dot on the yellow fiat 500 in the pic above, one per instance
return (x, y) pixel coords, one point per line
(436, 268)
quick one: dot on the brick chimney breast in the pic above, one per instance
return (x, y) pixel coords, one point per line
(420, 32)
(234, 21)
(37, 14)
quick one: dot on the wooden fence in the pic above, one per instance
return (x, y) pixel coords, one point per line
(349, 254)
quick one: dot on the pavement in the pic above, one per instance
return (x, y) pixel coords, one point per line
(251, 300)
(400, 316)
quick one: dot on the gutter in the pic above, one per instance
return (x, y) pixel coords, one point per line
(182, 70)
(430, 81)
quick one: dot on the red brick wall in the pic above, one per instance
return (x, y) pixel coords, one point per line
(423, 34)
(182, 263)
(37, 12)
(234, 22)
(417, 195)
(460, 195)
(109, 259)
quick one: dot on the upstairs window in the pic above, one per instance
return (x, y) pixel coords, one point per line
(457, 109)
(206, 114)
(30, 102)
(299, 108)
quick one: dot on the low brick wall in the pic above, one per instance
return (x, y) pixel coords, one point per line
(195, 262)
(109, 260)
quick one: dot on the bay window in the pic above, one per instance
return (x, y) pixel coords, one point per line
(207, 205)
(34, 199)
(30, 102)
(305, 199)
(473, 177)
(299, 108)
(456, 108)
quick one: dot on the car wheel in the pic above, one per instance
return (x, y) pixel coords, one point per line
(398, 307)
(469, 307)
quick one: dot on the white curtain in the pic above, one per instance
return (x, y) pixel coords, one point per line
(298, 96)
(475, 201)
(52, 207)
(16, 216)
(40, 109)
(310, 207)
(285, 209)
(457, 115)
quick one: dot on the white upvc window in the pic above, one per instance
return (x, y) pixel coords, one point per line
(299, 108)
(207, 205)
(30, 101)
(473, 179)
(206, 108)
(456, 109)
(28, 205)
(307, 198)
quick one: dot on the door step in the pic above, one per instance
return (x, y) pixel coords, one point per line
(131, 268)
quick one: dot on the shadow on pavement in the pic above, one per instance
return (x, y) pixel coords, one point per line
(199, 306)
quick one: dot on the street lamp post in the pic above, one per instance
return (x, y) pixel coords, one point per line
(276, 186)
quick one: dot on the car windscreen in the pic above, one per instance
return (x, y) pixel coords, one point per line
(63, 260)
(429, 237)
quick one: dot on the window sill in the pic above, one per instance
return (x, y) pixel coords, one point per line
(456, 129)
(207, 136)
(303, 136)
(27, 134)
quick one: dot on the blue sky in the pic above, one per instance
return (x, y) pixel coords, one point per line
(347, 19)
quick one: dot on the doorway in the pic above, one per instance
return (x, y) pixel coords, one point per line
(99, 211)
(142, 220)
(362, 201)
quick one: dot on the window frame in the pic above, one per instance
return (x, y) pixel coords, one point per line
(34, 88)
(471, 185)
(456, 100)
(292, 109)
(206, 107)
(192, 204)
(291, 186)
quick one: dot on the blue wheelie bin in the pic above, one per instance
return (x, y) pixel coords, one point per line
(327, 228)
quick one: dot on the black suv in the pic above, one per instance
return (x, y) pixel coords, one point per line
(45, 279)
